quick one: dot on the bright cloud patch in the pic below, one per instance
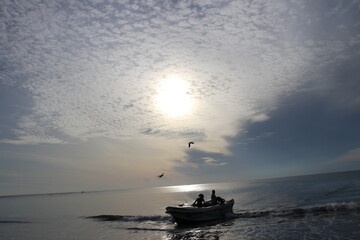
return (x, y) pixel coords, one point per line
(212, 161)
(352, 155)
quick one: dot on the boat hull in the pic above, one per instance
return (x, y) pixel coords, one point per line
(200, 214)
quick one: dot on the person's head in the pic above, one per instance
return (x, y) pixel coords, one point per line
(213, 191)
(201, 195)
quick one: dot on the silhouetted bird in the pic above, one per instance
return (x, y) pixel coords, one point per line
(190, 143)
(161, 175)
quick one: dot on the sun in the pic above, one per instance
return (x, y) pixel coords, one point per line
(174, 98)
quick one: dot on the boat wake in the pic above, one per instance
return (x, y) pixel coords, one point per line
(330, 209)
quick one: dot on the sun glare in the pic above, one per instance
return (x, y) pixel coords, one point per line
(174, 99)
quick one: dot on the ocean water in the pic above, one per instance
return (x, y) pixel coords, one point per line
(323, 206)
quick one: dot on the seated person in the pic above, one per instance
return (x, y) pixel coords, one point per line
(215, 200)
(199, 202)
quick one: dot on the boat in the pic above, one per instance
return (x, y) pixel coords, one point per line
(191, 214)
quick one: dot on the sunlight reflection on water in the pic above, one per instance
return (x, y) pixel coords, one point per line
(202, 187)
(185, 188)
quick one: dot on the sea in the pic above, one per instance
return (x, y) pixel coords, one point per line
(321, 206)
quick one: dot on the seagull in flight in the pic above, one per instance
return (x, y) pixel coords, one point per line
(160, 176)
(190, 143)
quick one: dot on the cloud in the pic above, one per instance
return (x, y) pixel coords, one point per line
(196, 134)
(259, 118)
(274, 83)
(352, 155)
(93, 70)
(212, 161)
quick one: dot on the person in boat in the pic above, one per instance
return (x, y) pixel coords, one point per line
(199, 202)
(215, 200)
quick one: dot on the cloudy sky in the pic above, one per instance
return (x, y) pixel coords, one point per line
(106, 94)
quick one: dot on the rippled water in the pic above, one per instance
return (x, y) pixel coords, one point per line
(324, 206)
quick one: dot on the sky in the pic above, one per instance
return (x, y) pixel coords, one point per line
(106, 94)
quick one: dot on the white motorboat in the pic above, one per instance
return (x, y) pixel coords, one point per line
(191, 214)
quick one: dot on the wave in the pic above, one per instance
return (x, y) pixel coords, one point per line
(12, 221)
(331, 208)
(60, 193)
(129, 218)
(44, 194)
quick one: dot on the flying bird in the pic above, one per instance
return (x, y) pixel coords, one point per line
(160, 176)
(190, 143)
